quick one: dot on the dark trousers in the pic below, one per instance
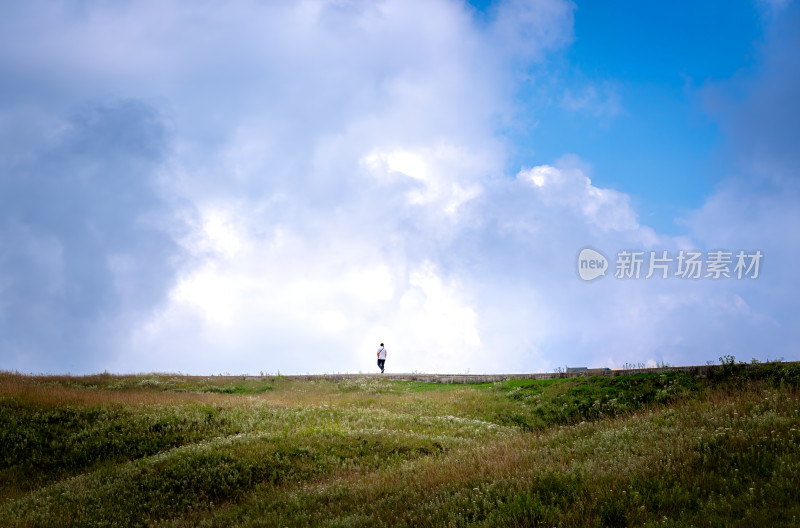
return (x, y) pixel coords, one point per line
(381, 363)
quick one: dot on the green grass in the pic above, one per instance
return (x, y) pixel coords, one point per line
(165, 450)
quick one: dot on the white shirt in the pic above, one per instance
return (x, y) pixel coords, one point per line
(381, 353)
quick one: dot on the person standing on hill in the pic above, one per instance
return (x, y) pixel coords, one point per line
(381, 357)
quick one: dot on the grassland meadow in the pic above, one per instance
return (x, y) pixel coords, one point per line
(641, 449)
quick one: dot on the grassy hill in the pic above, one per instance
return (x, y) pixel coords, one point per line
(664, 449)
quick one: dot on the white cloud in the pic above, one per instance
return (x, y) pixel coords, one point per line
(315, 299)
(446, 175)
(607, 209)
(598, 102)
(341, 182)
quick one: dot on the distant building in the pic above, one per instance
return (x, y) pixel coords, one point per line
(573, 370)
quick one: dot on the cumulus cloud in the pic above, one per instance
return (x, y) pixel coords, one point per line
(83, 246)
(606, 209)
(282, 186)
(319, 153)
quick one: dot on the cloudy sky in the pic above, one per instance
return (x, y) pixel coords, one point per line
(248, 186)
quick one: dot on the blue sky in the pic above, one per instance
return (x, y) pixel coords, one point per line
(629, 83)
(281, 186)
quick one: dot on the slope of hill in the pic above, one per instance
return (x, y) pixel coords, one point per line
(646, 449)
